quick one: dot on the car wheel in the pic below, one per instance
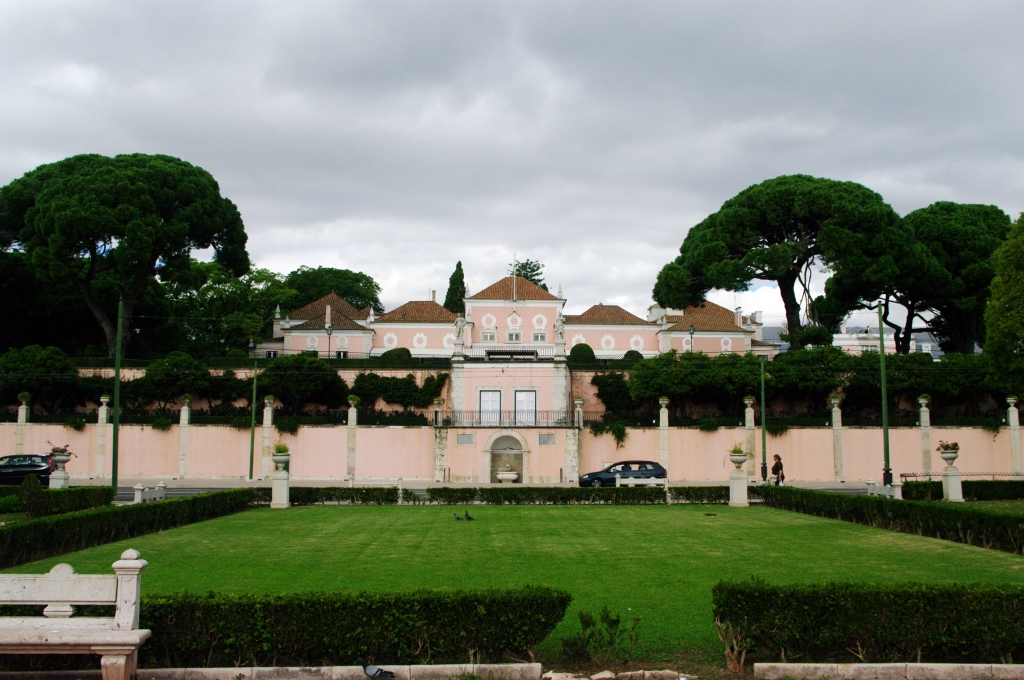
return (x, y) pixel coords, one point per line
(596, 483)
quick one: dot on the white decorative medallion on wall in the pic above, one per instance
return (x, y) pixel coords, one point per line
(726, 344)
(578, 340)
(607, 342)
(539, 322)
(514, 321)
(312, 341)
(488, 320)
(390, 340)
(449, 341)
(636, 342)
(686, 344)
(419, 341)
(343, 342)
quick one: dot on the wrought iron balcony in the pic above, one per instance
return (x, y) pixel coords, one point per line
(517, 418)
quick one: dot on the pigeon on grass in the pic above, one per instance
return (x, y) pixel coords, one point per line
(373, 672)
(457, 516)
(468, 517)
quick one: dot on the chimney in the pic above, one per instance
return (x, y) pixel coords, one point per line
(433, 296)
(739, 316)
(327, 317)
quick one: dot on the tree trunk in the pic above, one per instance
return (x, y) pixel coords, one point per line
(109, 330)
(787, 286)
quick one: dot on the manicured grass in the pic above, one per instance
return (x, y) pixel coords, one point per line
(655, 562)
(1015, 507)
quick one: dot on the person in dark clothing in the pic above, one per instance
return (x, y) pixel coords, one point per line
(778, 476)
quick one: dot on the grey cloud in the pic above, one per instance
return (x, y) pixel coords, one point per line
(397, 138)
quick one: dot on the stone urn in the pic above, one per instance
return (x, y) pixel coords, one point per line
(60, 459)
(507, 476)
(950, 455)
(281, 459)
(738, 459)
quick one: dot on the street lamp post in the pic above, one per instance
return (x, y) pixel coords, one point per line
(886, 471)
(764, 434)
(691, 337)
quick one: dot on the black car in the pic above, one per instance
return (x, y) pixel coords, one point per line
(14, 469)
(626, 470)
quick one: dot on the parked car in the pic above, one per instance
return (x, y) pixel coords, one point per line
(14, 469)
(627, 470)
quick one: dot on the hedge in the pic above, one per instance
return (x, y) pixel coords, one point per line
(866, 622)
(949, 521)
(58, 534)
(530, 495)
(40, 502)
(10, 504)
(973, 490)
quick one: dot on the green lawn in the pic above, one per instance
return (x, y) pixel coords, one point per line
(1007, 507)
(655, 562)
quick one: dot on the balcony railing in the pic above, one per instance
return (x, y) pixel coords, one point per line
(518, 418)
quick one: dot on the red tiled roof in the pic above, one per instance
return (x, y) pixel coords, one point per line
(317, 308)
(605, 315)
(339, 322)
(761, 343)
(423, 311)
(524, 290)
(705, 317)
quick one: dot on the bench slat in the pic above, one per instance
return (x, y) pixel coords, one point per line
(35, 623)
(47, 589)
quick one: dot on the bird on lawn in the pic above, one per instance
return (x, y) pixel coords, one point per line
(457, 516)
(468, 517)
(372, 671)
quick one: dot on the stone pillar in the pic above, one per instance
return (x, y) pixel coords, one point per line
(748, 422)
(183, 436)
(101, 435)
(663, 432)
(837, 439)
(138, 489)
(19, 433)
(738, 481)
(926, 436)
(129, 592)
(440, 441)
(560, 398)
(279, 493)
(572, 455)
(353, 423)
(951, 489)
(268, 425)
(458, 380)
(897, 490)
(1013, 420)
(578, 412)
(59, 478)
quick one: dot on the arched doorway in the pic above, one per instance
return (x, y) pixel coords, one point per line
(506, 454)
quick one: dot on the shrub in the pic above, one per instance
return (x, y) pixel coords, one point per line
(40, 502)
(632, 356)
(776, 427)
(701, 495)
(707, 424)
(324, 629)
(608, 423)
(974, 490)
(9, 504)
(599, 638)
(866, 622)
(360, 495)
(952, 522)
(287, 425)
(76, 423)
(446, 495)
(582, 354)
(60, 534)
(299, 379)
(403, 391)
(532, 495)
(162, 423)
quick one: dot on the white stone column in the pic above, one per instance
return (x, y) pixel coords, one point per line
(738, 481)
(350, 449)
(748, 422)
(926, 435)
(129, 593)
(19, 433)
(951, 488)
(183, 436)
(663, 432)
(572, 455)
(837, 439)
(1013, 420)
(560, 398)
(458, 368)
(440, 441)
(268, 425)
(101, 436)
(578, 412)
(279, 492)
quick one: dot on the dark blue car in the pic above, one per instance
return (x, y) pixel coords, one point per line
(14, 469)
(627, 471)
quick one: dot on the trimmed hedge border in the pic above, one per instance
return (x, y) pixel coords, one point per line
(948, 521)
(974, 490)
(46, 502)
(866, 622)
(59, 534)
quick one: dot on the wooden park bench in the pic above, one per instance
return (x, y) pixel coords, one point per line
(116, 639)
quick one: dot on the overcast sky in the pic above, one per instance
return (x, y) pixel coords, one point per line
(396, 138)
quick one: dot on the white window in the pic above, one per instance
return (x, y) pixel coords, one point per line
(526, 407)
(547, 440)
(271, 353)
(341, 354)
(513, 336)
(488, 336)
(464, 439)
(540, 337)
(490, 407)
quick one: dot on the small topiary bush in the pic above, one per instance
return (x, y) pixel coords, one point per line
(582, 354)
(707, 424)
(161, 423)
(287, 425)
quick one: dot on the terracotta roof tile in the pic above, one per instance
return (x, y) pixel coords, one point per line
(705, 317)
(524, 290)
(423, 311)
(339, 322)
(760, 343)
(605, 315)
(317, 308)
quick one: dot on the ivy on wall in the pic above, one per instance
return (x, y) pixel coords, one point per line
(403, 391)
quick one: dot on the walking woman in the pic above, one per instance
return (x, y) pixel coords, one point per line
(778, 476)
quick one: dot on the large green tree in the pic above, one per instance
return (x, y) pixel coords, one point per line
(118, 223)
(531, 270)
(1004, 315)
(454, 298)
(309, 284)
(961, 238)
(782, 230)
